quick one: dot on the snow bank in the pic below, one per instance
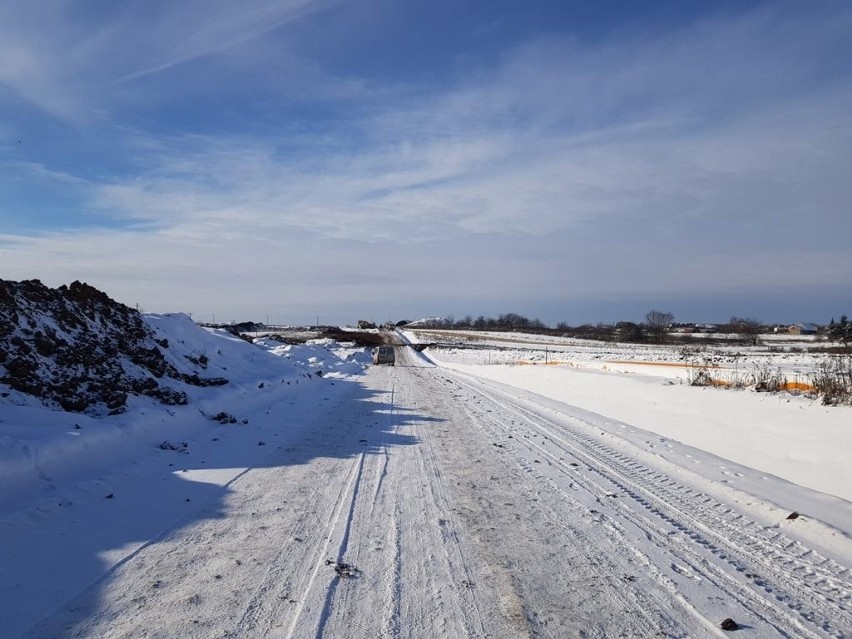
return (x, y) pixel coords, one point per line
(41, 448)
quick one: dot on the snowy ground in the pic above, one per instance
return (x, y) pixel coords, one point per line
(470, 500)
(786, 435)
(787, 353)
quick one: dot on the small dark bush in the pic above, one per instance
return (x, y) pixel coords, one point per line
(832, 381)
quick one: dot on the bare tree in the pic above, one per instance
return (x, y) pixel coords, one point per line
(658, 323)
(513, 321)
(749, 329)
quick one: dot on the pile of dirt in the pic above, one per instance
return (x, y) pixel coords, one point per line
(359, 338)
(75, 347)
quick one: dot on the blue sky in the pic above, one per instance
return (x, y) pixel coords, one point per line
(576, 161)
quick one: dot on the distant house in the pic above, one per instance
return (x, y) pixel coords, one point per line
(805, 328)
(694, 328)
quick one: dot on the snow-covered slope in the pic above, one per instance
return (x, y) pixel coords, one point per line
(86, 381)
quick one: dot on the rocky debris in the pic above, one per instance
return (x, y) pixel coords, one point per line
(241, 328)
(200, 360)
(224, 418)
(729, 624)
(75, 347)
(359, 338)
(343, 569)
(287, 339)
(195, 380)
(182, 447)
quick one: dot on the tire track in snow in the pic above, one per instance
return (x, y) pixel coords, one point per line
(674, 504)
(415, 580)
(341, 552)
(596, 581)
(257, 619)
(334, 609)
(820, 604)
(428, 573)
(454, 554)
(344, 502)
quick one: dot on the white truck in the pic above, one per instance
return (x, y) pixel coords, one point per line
(384, 354)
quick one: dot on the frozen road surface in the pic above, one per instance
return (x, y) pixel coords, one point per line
(420, 502)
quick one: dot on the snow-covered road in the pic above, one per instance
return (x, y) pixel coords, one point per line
(462, 509)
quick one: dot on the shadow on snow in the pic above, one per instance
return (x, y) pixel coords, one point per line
(64, 567)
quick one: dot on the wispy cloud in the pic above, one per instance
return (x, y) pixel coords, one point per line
(64, 56)
(189, 30)
(740, 172)
(705, 157)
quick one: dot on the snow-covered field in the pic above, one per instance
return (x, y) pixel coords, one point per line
(468, 492)
(787, 353)
(786, 435)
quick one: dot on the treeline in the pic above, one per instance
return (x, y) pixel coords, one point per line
(840, 331)
(658, 327)
(653, 330)
(504, 322)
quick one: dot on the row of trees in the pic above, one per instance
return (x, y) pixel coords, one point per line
(656, 328)
(659, 325)
(504, 322)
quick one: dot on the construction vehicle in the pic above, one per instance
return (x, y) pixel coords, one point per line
(384, 354)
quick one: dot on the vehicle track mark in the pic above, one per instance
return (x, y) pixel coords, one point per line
(709, 525)
(343, 503)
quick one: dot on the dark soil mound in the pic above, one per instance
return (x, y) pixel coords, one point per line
(77, 348)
